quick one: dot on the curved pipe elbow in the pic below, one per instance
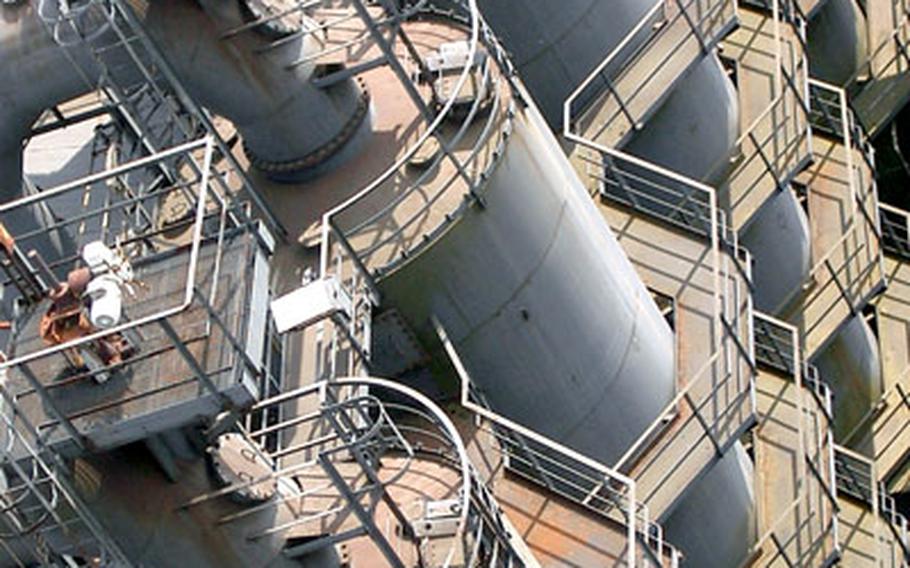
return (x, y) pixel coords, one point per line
(694, 132)
(780, 242)
(714, 522)
(838, 43)
(851, 365)
(287, 122)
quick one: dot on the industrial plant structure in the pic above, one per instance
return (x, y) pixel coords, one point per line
(455, 283)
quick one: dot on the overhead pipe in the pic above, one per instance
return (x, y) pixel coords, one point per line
(288, 124)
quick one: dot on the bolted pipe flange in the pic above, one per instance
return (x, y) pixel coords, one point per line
(236, 461)
(288, 170)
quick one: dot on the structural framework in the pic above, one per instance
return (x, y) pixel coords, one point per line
(454, 283)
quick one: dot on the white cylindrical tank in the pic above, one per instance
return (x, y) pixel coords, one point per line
(544, 307)
(838, 42)
(694, 131)
(850, 364)
(714, 522)
(554, 45)
(779, 239)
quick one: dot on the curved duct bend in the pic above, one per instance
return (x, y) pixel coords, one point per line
(542, 304)
(779, 239)
(694, 131)
(838, 44)
(714, 523)
(851, 366)
(287, 123)
(554, 45)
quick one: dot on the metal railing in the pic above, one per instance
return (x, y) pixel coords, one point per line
(720, 396)
(399, 213)
(895, 225)
(776, 146)
(883, 427)
(154, 317)
(857, 479)
(829, 115)
(42, 514)
(887, 62)
(853, 266)
(775, 348)
(139, 87)
(826, 113)
(809, 525)
(578, 478)
(360, 440)
(618, 96)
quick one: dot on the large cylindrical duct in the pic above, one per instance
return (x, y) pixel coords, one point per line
(694, 132)
(544, 307)
(851, 366)
(287, 123)
(838, 42)
(554, 45)
(714, 523)
(778, 238)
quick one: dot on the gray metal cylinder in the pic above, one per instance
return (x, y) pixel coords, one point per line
(779, 239)
(554, 45)
(838, 42)
(694, 131)
(714, 523)
(544, 307)
(287, 123)
(850, 364)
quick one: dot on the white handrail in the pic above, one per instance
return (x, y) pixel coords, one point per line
(538, 438)
(567, 106)
(206, 142)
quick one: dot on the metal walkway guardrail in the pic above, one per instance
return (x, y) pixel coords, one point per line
(559, 469)
(776, 146)
(621, 93)
(361, 442)
(873, 528)
(880, 86)
(717, 403)
(851, 272)
(804, 531)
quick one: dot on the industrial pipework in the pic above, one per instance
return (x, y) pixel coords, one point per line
(289, 121)
(692, 128)
(375, 471)
(520, 269)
